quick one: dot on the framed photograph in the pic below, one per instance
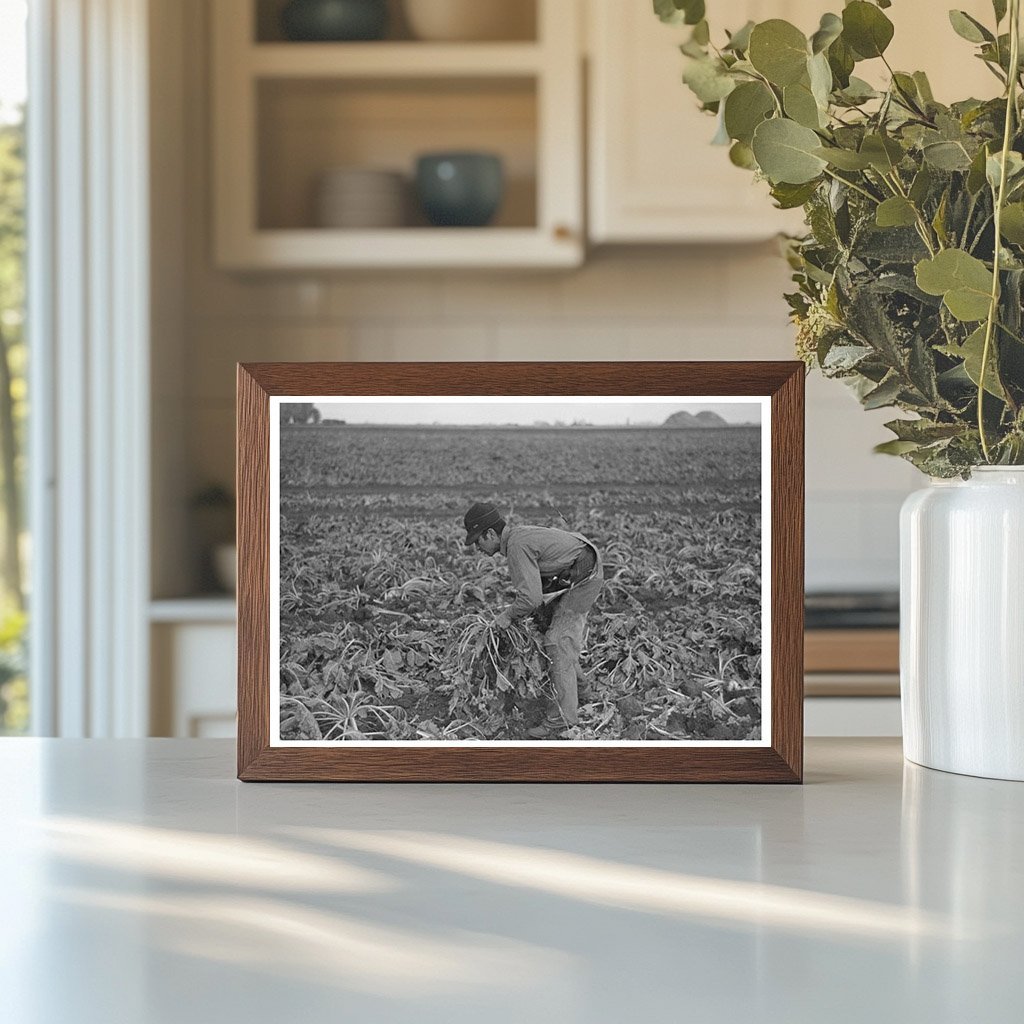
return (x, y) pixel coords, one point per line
(520, 572)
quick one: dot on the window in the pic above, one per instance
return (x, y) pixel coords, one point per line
(14, 705)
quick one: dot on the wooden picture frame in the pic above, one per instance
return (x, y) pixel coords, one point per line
(776, 757)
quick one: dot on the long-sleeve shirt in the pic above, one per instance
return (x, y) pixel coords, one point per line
(533, 552)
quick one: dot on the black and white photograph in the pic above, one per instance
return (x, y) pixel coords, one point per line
(520, 570)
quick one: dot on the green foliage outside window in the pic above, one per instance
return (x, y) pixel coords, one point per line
(13, 413)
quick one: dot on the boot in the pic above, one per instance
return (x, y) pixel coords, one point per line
(549, 728)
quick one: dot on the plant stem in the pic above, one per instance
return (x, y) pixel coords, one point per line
(768, 85)
(908, 101)
(922, 225)
(970, 216)
(993, 309)
(855, 187)
(981, 231)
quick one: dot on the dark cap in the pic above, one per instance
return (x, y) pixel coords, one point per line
(483, 516)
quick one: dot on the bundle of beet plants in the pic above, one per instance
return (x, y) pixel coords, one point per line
(495, 675)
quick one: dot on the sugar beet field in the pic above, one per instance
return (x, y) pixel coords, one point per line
(385, 617)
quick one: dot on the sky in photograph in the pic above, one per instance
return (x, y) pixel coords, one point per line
(599, 412)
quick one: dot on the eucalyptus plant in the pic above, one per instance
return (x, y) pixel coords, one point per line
(910, 278)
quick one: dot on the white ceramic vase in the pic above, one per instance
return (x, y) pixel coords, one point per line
(962, 624)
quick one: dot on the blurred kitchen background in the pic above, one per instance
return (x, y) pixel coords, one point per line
(289, 217)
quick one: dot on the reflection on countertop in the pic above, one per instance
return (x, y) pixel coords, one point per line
(179, 894)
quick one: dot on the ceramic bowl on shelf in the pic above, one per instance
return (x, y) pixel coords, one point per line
(460, 189)
(333, 21)
(470, 20)
(361, 198)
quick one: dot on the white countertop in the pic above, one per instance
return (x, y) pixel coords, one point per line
(144, 885)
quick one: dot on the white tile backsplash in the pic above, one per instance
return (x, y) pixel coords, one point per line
(562, 340)
(645, 302)
(372, 296)
(719, 302)
(509, 298)
(642, 285)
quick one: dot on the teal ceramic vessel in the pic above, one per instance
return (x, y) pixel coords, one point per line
(334, 21)
(460, 189)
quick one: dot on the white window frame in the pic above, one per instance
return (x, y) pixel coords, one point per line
(89, 330)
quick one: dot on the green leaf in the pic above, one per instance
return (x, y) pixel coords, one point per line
(971, 352)
(691, 48)
(1011, 226)
(946, 156)
(844, 159)
(789, 197)
(895, 447)
(963, 281)
(667, 11)
(924, 88)
(883, 153)
(778, 50)
(800, 105)
(830, 28)
(968, 28)
(742, 155)
(1014, 169)
(921, 185)
(785, 152)
(675, 12)
(999, 7)
(997, 53)
(896, 212)
(707, 80)
(866, 29)
(739, 41)
(976, 174)
(701, 33)
(859, 91)
(822, 222)
(923, 431)
(820, 76)
(745, 108)
(841, 60)
(885, 394)
(921, 369)
(695, 11)
(939, 220)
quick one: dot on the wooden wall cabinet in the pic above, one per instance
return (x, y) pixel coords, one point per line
(653, 175)
(286, 112)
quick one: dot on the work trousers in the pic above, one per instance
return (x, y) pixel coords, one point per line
(564, 641)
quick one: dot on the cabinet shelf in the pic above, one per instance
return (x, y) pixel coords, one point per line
(286, 114)
(392, 60)
(404, 248)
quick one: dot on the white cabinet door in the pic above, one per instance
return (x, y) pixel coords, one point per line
(653, 175)
(193, 679)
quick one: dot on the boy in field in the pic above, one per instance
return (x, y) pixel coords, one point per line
(544, 560)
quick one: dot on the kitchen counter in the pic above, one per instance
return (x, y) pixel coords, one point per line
(143, 884)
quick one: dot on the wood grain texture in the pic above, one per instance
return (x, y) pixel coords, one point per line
(787, 569)
(781, 762)
(252, 487)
